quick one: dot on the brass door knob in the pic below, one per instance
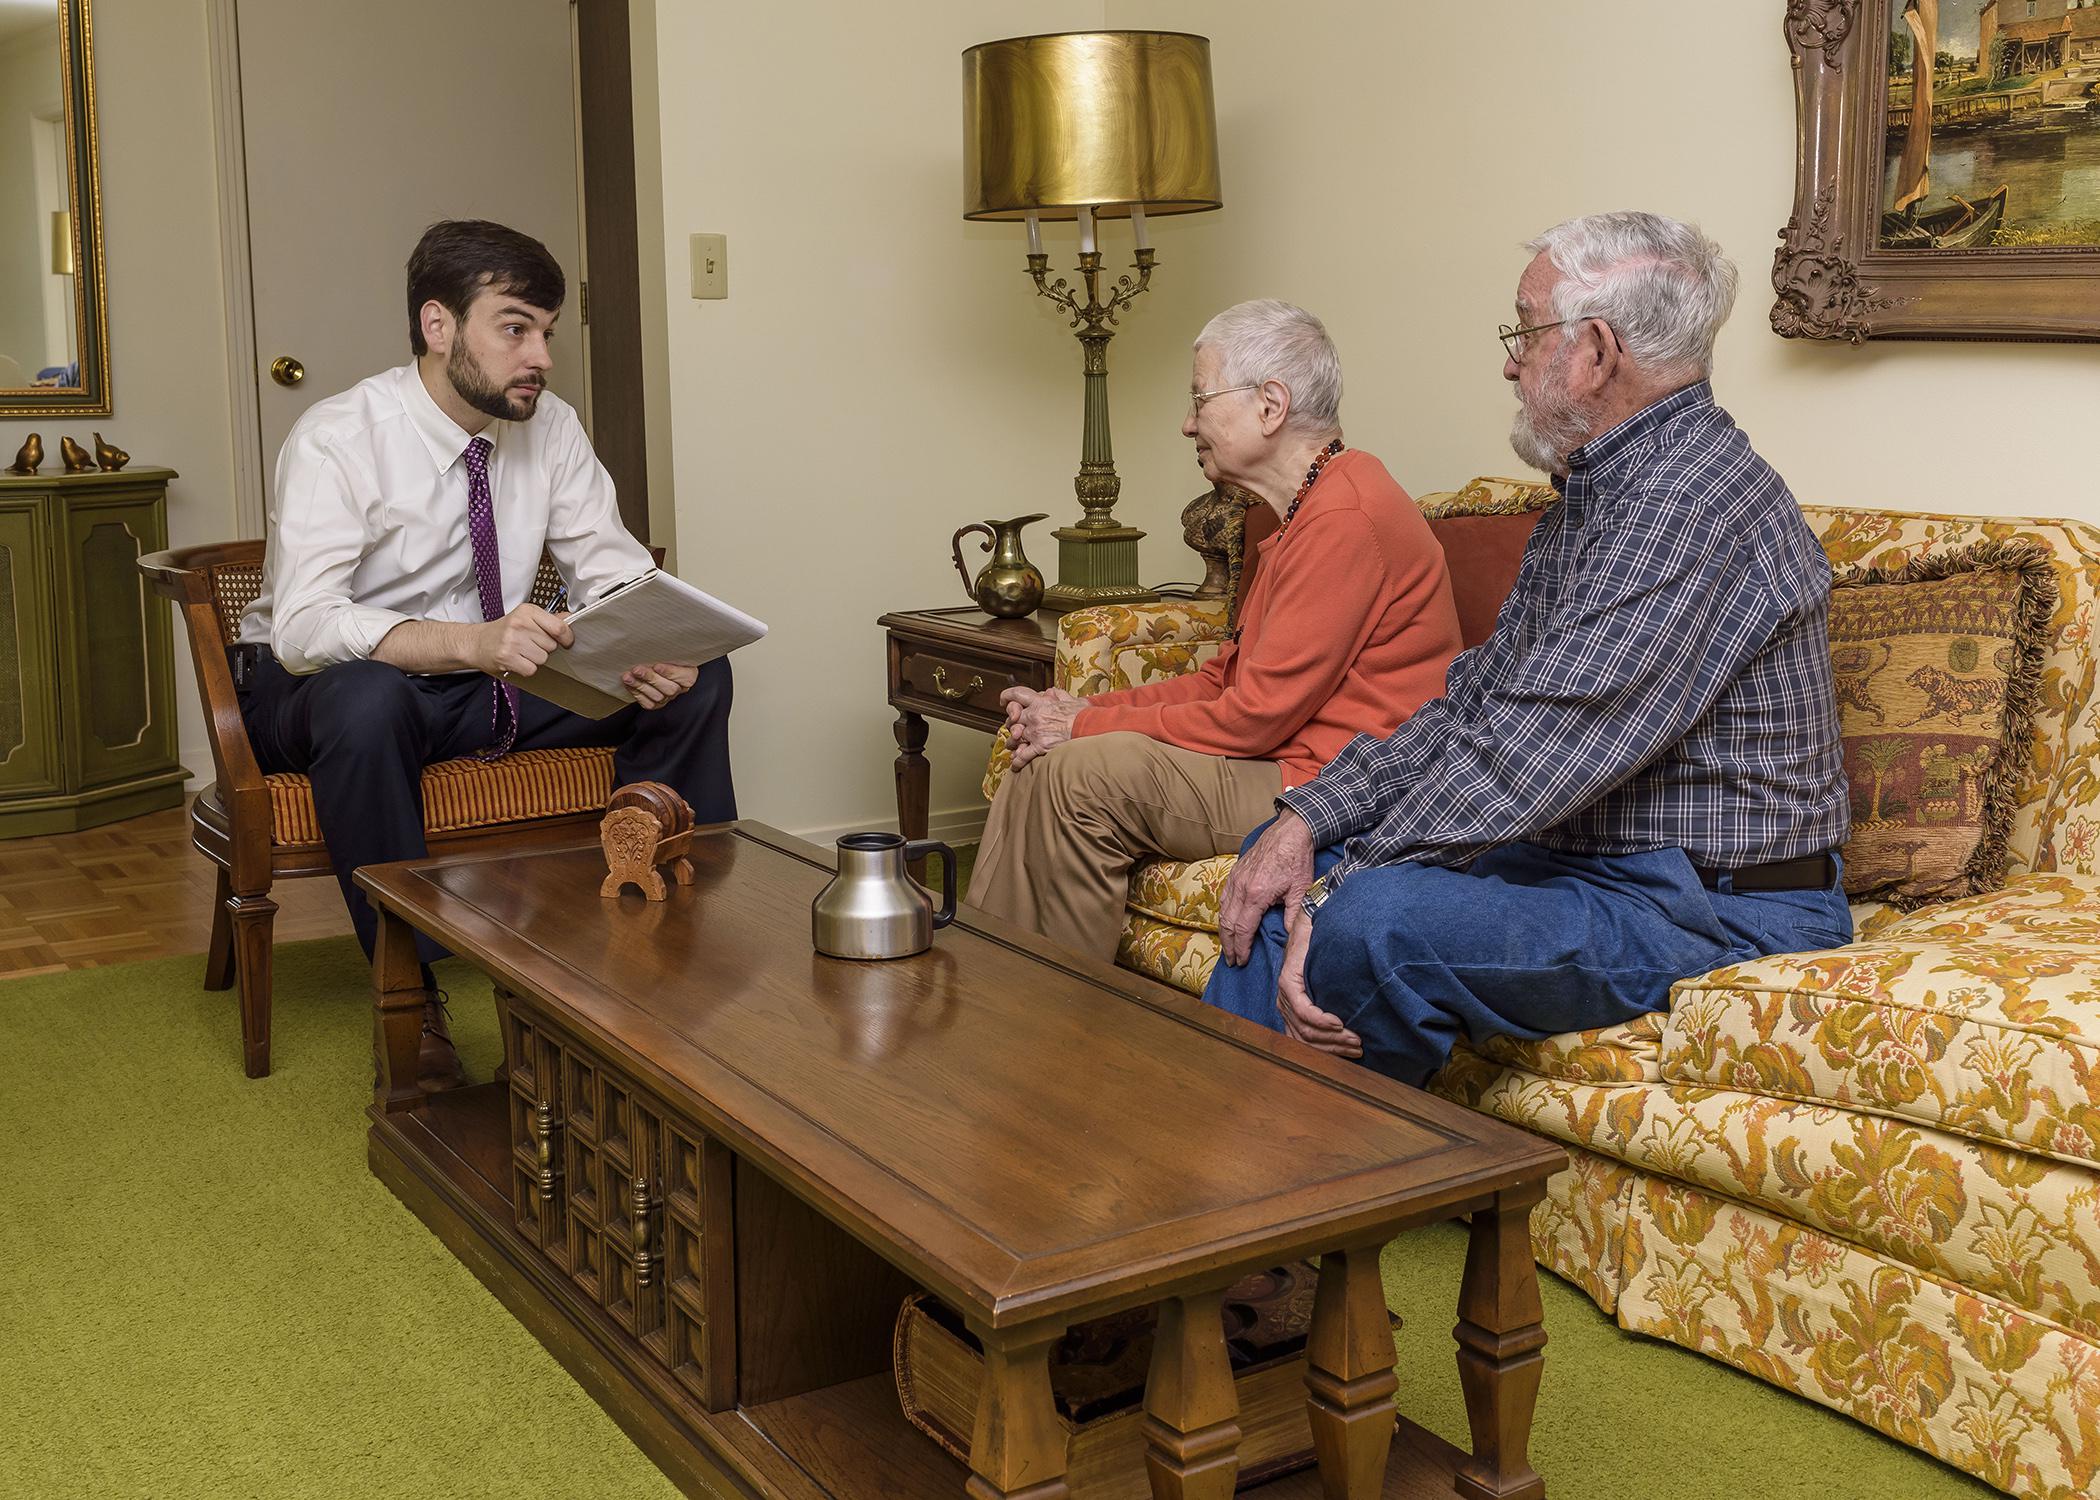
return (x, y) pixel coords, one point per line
(287, 371)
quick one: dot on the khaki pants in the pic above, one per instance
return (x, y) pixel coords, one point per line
(1065, 830)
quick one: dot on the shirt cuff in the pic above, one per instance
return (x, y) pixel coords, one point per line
(1329, 821)
(351, 633)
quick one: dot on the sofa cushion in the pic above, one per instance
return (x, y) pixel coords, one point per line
(1999, 1221)
(1980, 1017)
(1939, 667)
(1482, 554)
(1181, 893)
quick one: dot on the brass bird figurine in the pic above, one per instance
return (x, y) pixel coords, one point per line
(78, 459)
(28, 456)
(108, 456)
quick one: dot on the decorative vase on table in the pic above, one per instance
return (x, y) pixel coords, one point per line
(1009, 585)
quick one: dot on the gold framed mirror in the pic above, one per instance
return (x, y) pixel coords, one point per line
(54, 327)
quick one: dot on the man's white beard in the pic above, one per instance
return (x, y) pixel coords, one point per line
(1551, 425)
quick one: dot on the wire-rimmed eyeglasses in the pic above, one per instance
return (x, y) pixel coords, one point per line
(1197, 398)
(1513, 338)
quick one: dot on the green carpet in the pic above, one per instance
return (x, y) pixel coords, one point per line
(204, 1293)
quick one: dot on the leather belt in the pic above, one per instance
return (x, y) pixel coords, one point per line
(1811, 872)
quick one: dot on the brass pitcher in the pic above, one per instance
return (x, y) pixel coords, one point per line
(1009, 585)
(873, 908)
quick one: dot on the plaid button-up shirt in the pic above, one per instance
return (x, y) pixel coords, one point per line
(1659, 677)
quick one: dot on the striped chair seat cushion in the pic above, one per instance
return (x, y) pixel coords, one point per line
(469, 793)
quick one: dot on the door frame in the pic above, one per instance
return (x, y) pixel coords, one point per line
(615, 378)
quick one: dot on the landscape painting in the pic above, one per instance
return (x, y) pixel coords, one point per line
(1992, 128)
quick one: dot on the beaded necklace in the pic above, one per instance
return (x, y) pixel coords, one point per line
(1305, 489)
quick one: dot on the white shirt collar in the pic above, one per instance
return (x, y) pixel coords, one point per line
(445, 438)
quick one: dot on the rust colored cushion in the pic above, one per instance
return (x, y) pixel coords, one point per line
(1938, 667)
(1482, 553)
(469, 793)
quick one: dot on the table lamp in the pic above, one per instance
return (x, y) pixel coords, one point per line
(1090, 125)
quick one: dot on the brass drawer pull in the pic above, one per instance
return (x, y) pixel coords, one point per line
(940, 684)
(546, 1168)
(639, 1206)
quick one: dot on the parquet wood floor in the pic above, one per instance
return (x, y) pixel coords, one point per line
(128, 891)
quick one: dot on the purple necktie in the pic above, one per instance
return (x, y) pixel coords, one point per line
(488, 579)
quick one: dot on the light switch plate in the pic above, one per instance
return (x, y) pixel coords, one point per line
(710, 265)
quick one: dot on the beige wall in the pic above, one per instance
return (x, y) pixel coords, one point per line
(879, 375)
(167, 344)
(1392, 195)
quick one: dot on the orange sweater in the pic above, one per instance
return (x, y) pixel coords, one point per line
(1347, 628)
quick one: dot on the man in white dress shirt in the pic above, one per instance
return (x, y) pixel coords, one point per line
(407, 526)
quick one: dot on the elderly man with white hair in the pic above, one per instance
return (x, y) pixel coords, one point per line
(1637, 777)
(1346, 629)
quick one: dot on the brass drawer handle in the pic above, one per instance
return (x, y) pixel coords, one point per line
(546, 1168)
(639, 1206)
(940, 684)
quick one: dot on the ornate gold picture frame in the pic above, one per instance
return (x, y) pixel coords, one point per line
(1900, 105)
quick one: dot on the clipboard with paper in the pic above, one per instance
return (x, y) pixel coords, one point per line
(654, 617)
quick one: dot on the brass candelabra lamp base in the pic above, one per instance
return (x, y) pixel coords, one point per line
(1097, 560)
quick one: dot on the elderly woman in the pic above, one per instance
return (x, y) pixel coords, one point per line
(1346, 629)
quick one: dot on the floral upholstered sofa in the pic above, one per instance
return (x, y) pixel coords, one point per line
(1870, 1175)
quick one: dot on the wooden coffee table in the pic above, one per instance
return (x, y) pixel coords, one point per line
(718, 1161)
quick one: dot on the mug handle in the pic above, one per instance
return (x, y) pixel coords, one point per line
(919, 849)
(969, 584)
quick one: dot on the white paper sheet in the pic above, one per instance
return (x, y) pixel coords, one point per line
(656, 617)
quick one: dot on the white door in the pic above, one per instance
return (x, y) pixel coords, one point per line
(365, 123)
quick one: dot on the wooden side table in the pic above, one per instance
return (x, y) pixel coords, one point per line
(952, 665)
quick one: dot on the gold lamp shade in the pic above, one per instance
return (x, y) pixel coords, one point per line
(1089, 119)
(61, 243)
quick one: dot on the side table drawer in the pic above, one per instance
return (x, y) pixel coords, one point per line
(956, 685)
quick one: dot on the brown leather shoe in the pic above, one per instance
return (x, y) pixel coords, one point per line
(437, 1062)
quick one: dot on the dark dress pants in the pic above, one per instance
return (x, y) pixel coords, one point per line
(362, 732)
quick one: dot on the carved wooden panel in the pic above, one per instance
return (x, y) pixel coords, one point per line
(119, 678)
(120, 694)
(29, 754)
(537, 1188)
(629, 1202)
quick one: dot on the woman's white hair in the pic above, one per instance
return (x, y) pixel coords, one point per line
(1664, 287)
(1271, 340)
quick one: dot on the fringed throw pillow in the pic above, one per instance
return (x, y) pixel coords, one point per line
(1938, 667)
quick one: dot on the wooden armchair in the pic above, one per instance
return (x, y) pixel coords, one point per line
(259, 829)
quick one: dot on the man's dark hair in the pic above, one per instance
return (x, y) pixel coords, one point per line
(456, 258)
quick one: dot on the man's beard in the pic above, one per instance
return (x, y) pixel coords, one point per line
(1552, 424)
(478, 391)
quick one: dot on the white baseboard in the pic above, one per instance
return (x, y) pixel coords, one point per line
(955, 825)
(196, 759)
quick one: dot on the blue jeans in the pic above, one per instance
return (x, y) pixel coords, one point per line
(1527, 942)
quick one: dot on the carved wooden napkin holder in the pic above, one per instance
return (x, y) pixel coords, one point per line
(646, 825)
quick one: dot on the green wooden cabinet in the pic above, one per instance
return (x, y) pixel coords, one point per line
(87, 695)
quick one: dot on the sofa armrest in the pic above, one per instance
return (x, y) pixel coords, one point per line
(1108, 646)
